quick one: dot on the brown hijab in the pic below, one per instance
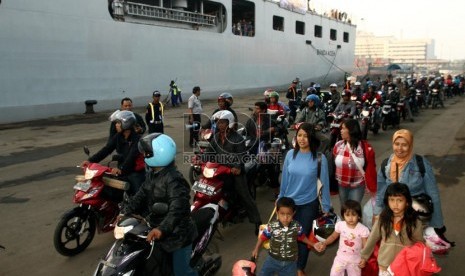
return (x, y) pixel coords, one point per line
(401, 162)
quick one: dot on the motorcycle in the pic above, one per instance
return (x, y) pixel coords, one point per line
(335, 127)
(389, 115)
(212, 189)
(366, 119)
(201, 147)
(420, 99)
(401, 111)
(97, 195)
(130, 250)
(435, 98)
(265, 166)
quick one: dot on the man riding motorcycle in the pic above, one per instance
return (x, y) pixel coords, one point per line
(335, 95)
(346, 105)
(260, 129)
(174, 231)
(228, 148)
(225, 101)
(313, 114)
(130, 161)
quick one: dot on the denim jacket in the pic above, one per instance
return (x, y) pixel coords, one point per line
(417, 185)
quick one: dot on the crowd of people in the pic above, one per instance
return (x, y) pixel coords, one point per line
(303, 192)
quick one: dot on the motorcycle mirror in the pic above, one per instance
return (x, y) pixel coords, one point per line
(86, 150)
(160, 208)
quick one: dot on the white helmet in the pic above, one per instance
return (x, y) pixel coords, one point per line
(333, 85)
(224, 114)
(357, 83)
(433, 241)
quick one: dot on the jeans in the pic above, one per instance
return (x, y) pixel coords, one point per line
(305, 215)
(282, 268)
(181, 260)
(356, 193)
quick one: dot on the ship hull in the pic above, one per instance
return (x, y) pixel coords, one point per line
(56, 54)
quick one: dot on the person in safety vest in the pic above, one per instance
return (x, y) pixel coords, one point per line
(154, 114)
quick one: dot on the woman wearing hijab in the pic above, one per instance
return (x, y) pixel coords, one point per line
(403, 166)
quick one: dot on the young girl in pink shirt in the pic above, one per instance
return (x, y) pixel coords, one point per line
(352, 238)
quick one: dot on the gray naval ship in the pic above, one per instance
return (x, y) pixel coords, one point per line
(56, 54)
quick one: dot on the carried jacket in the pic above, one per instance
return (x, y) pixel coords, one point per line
(166, 186)
(126, 148)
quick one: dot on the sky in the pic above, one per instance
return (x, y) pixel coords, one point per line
(443, 21)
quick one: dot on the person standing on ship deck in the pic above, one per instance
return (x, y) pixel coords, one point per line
(154, 114)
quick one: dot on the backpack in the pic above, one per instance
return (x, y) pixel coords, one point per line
(369, 167)
(420, 163)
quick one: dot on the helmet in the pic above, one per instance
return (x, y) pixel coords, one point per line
(274, 94)
(224, 114)
(346, 93)
(227, 97)
(357, 83)
(316, 85)
(314, 98)
(333, 85)
(311, 90)
(125, 117)
(437, 244)
(267, 92)
(323, 227)
(159, 149)
(423, 206)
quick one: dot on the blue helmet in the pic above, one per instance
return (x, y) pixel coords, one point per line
(159, 149)
(314, 98)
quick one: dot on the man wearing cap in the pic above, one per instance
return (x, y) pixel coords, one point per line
(194, 107)
(154, 114)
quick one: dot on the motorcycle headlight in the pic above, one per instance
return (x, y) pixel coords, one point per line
(119, 231)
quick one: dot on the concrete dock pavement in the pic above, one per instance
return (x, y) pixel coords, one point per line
(38, 162)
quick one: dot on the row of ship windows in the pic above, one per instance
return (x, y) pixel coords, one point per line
(278, 25)
(246, 28)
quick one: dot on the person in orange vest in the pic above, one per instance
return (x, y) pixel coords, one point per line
(154, 114)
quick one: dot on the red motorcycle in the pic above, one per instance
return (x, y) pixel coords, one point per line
(97, 195)
(210, 189)
(201, 147)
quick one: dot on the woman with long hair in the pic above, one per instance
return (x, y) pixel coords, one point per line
(299, 181)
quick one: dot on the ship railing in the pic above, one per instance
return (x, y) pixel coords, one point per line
(161, 13)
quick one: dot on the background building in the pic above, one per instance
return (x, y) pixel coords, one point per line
(370, 47)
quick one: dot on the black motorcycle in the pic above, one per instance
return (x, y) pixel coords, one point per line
(130, 251)
(390, 115)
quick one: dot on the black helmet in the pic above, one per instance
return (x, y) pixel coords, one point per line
(125, 117)
(227, 98)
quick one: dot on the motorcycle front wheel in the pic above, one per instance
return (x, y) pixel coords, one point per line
(74, 232)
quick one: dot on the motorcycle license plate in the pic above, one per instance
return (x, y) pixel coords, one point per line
(82, 186)
(335, 125)
(203, 188)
